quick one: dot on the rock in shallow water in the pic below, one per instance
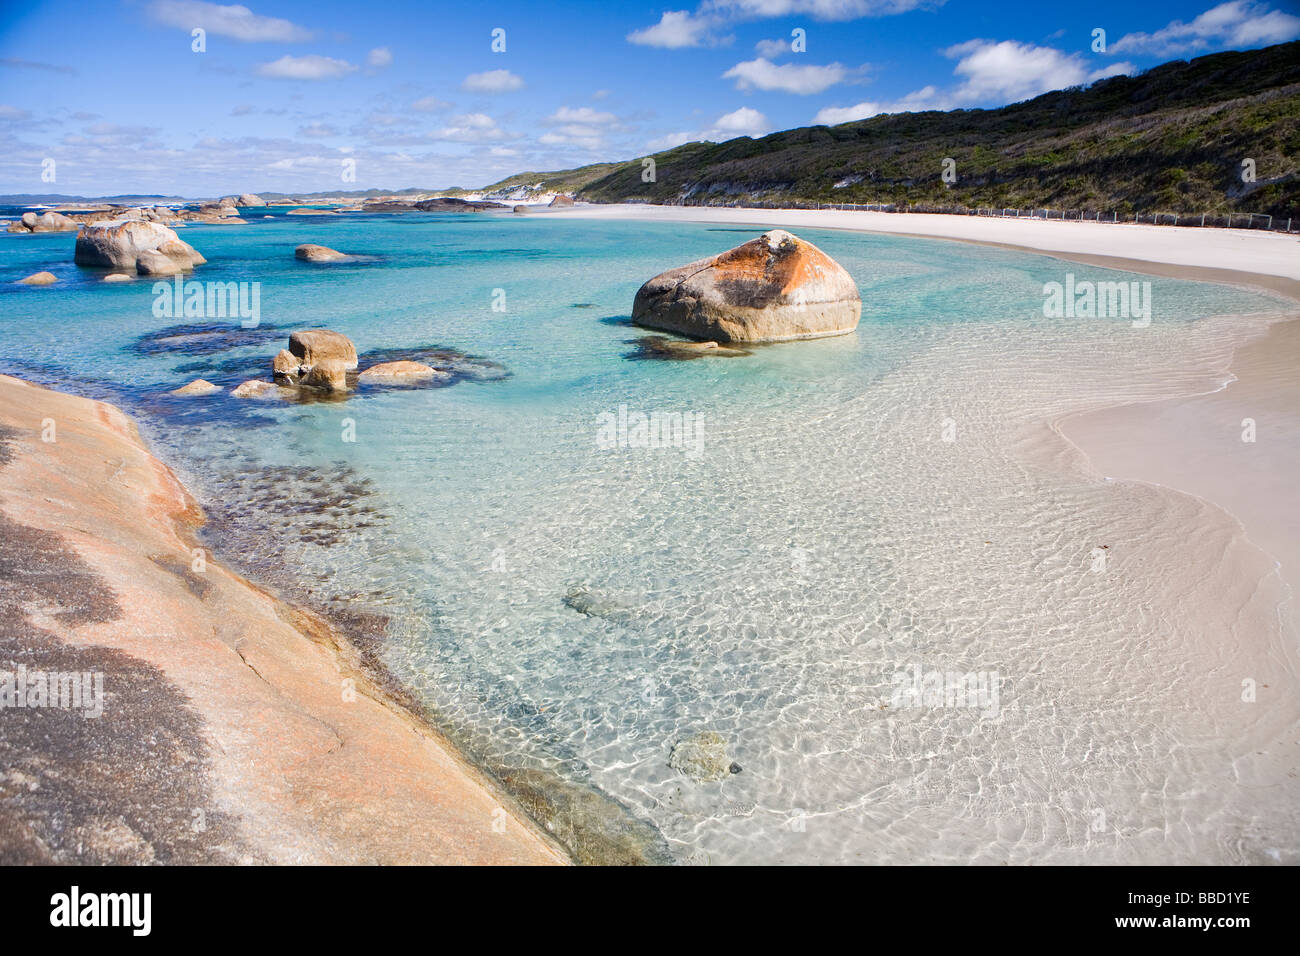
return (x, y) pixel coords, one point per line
(776, 288)
(400, 373)
(703, 757)
(313, 346)
(118, 244)
(200, 386)
(40, 278)
(310, 252)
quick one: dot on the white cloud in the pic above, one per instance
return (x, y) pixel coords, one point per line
(675, 29)
(1009, 71)
(317, 131)
(310, 67)
(583, 114)
(763, 74)
(236, 22)
(471, 128)
(772, 48)
(926, 98)
(430, 104)
(493, 81)
(743, 121)
(1115, 69)
(379, 57)
(830, 10)
(1241, 23)
(13, 113)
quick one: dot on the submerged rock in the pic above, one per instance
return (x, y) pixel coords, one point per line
(255, 388)
(310, 252)
(595, 603)
(703, 757)
(200, 386)
(40, 278)
(660, 346)
(776, 288)
(400, 373)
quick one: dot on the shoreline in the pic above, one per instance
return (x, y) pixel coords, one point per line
(1104, 436)
(284, 748)
(1117, 440)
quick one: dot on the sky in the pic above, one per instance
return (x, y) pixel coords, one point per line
(106, 97)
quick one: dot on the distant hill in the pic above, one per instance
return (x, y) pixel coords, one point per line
(1170, 139)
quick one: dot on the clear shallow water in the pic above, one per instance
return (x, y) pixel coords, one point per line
(768, 583)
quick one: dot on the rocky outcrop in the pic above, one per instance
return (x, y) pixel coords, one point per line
(40, 278)
(250, 199)
(400, 373)
(776, 288)
(562, 200)
(47, 222)
(310, 252)
(316, 358)
(118, 244)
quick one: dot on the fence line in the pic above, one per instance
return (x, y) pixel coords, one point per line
(1235, 220)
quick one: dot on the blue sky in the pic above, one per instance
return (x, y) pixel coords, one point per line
(284, 91)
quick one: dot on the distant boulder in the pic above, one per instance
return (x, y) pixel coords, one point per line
(250, 199)
(310, 252)
(562, 200)
(776, 288)
(48, 222)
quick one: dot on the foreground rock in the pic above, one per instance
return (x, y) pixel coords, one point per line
(119, 244)
(40, 278)
(400, 373)
(222, 704)
(200, 386)
(776, 288)
(310, 252)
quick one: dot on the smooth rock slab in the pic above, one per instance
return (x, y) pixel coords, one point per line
(400, 373)
(40, 278)
(776, 288)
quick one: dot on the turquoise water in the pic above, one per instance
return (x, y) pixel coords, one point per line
(850, 507)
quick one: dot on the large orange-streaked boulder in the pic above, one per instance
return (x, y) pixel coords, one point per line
(776, 288)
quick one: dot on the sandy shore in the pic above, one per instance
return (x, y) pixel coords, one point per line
(1191, 444)
(234, 727)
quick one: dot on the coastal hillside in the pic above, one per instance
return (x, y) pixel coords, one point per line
(1170, 139)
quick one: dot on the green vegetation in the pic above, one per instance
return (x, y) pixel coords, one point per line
(1170, 139)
